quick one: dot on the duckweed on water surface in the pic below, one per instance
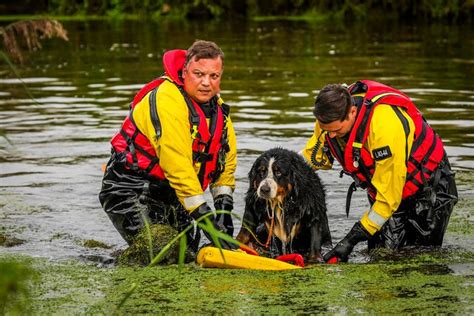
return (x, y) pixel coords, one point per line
(407, 281)
(444, 286)
(427, 281)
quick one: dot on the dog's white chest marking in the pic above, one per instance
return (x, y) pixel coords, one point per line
(276, 224)
(279, 228)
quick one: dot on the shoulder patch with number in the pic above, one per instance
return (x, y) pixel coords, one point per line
(382, 153)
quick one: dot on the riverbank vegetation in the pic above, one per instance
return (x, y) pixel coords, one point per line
(453, 10)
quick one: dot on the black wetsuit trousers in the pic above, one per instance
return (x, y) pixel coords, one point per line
(129, 198)
(421, 219)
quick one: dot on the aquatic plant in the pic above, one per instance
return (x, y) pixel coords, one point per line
(29, 33)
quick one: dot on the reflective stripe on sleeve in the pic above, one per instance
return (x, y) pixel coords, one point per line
(191, 202)
(372, 221)
(376, 218)
(219, 190)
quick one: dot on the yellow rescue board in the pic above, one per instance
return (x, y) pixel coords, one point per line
(211, 257)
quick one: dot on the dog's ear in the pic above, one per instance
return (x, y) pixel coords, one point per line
(295, 182)
(253, 172)
(296, 175)
(251, 216)
(250, 199)
(252, 176)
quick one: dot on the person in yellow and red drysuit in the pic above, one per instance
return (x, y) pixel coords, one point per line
(382, 140)
(177, 140)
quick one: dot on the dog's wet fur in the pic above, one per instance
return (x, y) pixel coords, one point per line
(283, 186)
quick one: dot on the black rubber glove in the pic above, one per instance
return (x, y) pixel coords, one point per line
(204, 209)
(345, 246)
(224, 202)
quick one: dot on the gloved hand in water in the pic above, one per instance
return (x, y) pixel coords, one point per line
(225, 202)
(204, 209)
(346, 245)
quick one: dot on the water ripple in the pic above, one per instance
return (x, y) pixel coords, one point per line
(27, 80)
(247, 103)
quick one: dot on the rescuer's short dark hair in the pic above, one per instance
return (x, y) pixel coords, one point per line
(332, 104)
(203, 49)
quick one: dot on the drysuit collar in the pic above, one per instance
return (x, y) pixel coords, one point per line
(173, 64)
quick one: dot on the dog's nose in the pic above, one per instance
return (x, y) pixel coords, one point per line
(265, 189)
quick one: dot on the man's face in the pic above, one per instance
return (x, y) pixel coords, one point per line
(340, 128)
(202, 78)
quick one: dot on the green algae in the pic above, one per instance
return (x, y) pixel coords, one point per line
(47, 288)
(424, 283)
(8, 241)
(139, 252)
(409, 281)
(462, 219)
(15, 281)
(90, 243)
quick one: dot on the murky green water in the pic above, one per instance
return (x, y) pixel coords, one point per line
(53, 148)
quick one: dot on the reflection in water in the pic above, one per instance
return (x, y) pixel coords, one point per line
(52, 148)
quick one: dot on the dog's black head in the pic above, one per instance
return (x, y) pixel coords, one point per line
(273, 175)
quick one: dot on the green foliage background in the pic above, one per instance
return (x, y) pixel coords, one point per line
(351, 9)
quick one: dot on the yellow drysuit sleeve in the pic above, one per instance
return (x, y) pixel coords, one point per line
(386, 129)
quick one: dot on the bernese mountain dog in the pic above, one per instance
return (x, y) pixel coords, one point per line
(285, 207)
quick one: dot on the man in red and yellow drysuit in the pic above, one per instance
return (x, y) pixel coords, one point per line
(177, 141)
(382, 140)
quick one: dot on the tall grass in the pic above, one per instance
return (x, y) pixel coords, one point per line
(17, 36)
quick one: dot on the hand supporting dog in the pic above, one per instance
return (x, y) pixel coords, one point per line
(225, 202)
(204, 210)
(346, 245)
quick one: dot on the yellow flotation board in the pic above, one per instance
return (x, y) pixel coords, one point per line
(211, 257)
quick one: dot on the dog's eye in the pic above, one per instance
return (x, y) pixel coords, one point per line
(277, 173)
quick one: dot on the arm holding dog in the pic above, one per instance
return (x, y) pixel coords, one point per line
(222, 190)
(204, 213)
